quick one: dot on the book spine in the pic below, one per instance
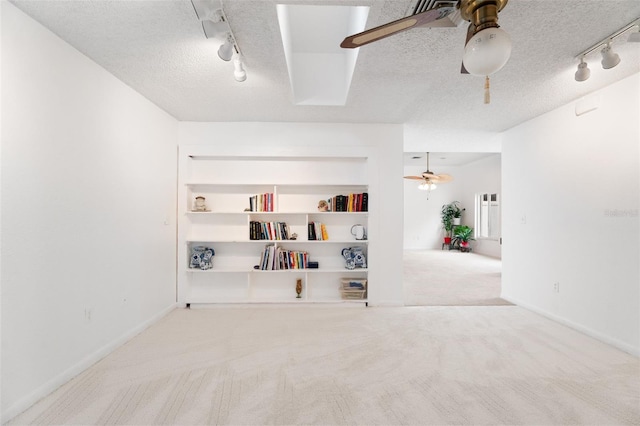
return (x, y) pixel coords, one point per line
(325, 234)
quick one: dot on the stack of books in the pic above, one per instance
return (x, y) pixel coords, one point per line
(261, 202)
(349, 203)
(277, 258)
(268, 230)
(317, 231)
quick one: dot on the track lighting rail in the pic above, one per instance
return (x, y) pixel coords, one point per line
(609, 39)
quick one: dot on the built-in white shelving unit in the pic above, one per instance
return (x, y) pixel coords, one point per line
(297, 183)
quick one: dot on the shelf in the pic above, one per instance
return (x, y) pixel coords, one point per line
(295, 158)
(212, 241)
(280, 185)
(210, 213)
(262, 271)
(312, 270)
(228, 183)
(291, 301)
(218, 270)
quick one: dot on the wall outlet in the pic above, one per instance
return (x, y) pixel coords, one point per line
(87, 315)
(556, 287)
(523, 220)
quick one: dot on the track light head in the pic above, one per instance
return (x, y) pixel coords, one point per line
(216, 30)
(583, 72)
(609, 58)
(225, 52)
(238, 70)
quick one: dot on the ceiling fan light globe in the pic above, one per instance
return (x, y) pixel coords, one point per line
(427, 186)
(487, 51)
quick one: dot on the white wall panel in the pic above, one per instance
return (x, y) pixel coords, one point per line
(570, 215)
(381, 144)
(88, 211)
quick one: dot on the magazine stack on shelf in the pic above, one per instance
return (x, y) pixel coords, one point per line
(353, 288)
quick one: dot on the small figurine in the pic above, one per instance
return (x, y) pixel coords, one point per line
(298, 288)
(294, 236)
(200, 205)
(323, 206)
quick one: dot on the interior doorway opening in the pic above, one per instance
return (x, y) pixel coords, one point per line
(436, 272)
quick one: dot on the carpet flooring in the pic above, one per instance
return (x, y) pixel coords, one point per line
(360, 366)
(451, 278)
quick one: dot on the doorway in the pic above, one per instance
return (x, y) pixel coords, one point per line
(433, 275)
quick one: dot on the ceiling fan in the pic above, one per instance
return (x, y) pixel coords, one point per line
(430, 179)
(487, 46)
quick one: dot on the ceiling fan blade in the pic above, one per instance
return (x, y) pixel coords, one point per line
(471, 30)
(444, 178)
(395, 27)
(429, 175)
(414, 177)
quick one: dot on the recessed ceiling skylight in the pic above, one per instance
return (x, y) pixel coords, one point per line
(319, 70)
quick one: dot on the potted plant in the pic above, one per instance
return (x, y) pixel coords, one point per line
(447, 214)
(462, 235)
(457, 213)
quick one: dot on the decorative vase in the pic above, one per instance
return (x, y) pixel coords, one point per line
(447, 240)
(456, 221)
(298, 288)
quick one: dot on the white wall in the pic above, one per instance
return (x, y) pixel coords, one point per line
(422, 226)
(422, 221)
(479, 177)
(570, 215)
(88, 181)
(446, 139)
(383, 142)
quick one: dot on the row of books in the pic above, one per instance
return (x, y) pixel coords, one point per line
(261, 202)
(317, 231)
(268, 230)
(273, 258)
(349, 203)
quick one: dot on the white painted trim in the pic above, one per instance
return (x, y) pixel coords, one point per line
(586, 330)
(78, 368)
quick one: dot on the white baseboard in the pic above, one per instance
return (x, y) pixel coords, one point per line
(581, 328)
(78, 368)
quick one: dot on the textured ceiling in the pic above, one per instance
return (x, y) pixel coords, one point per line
(158, 48)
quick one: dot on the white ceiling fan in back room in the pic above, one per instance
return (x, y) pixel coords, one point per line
(429, 179)
(487, 47)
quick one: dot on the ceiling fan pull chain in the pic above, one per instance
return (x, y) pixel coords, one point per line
(487, 95)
